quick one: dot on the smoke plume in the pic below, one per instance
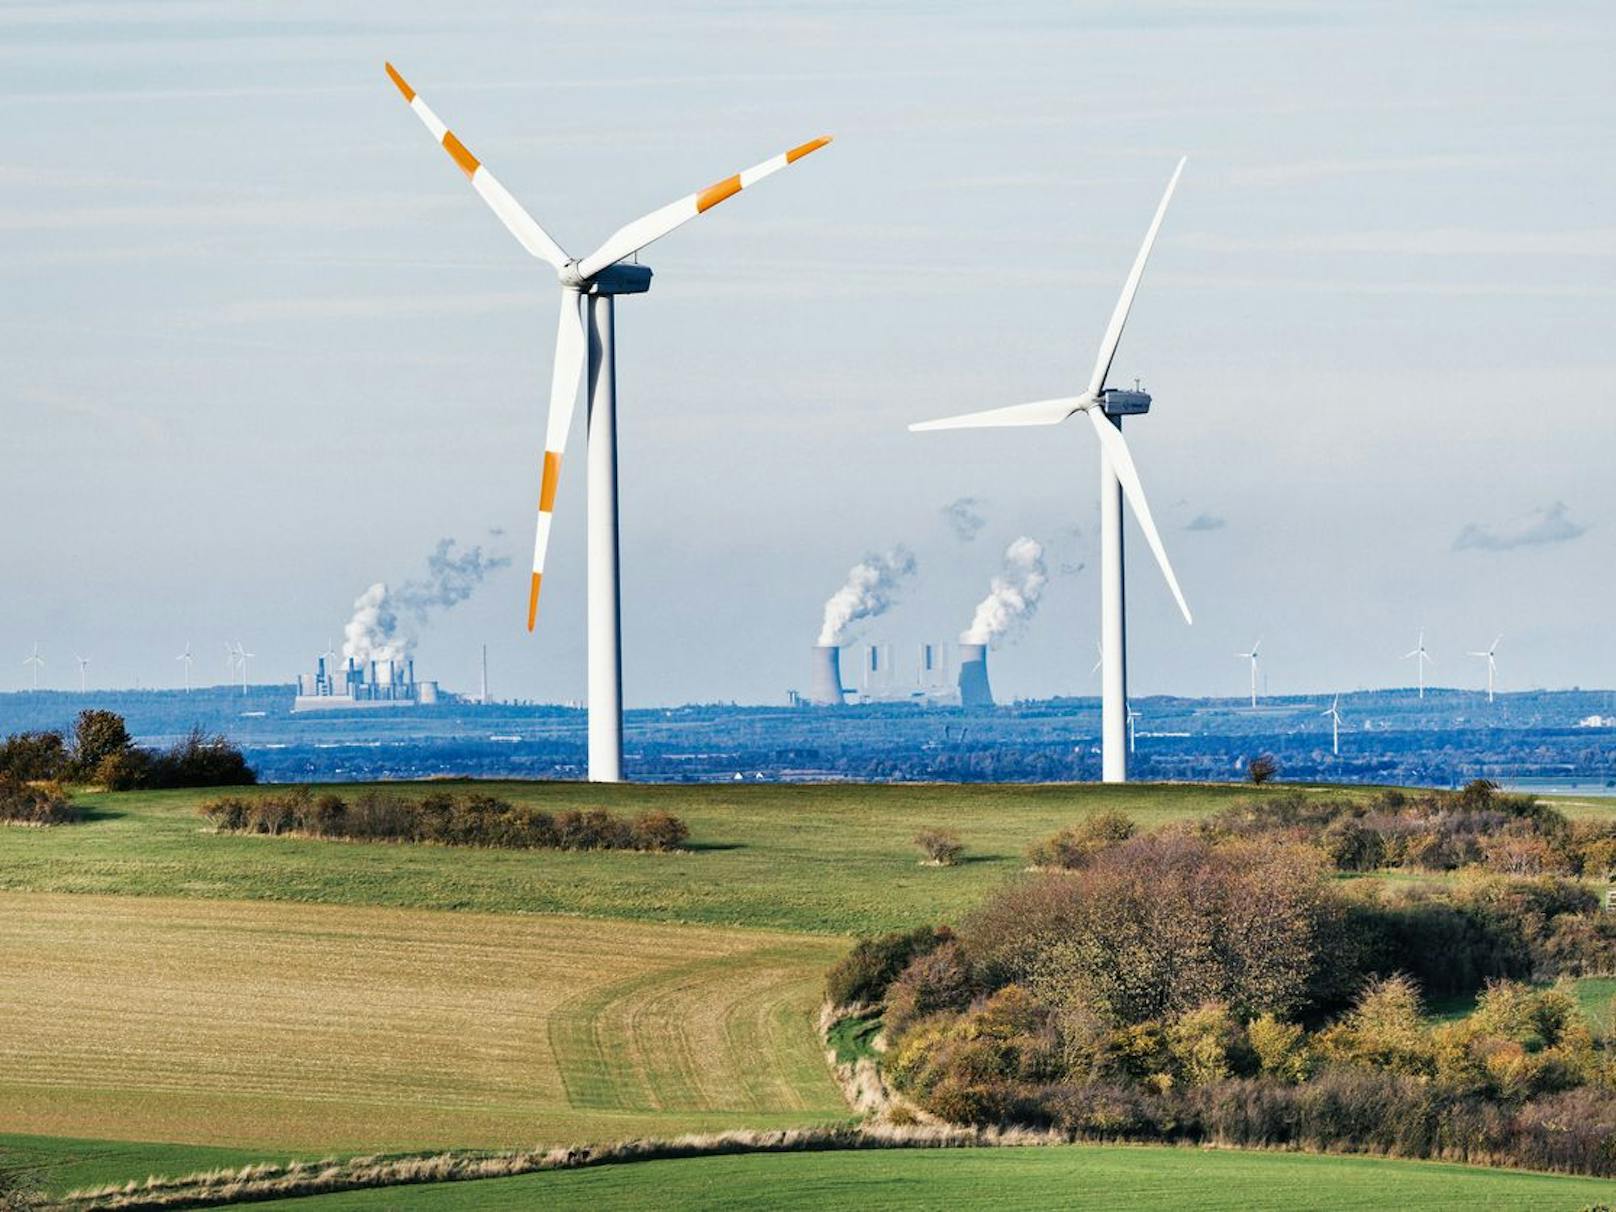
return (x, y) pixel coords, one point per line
(386, 622)
(872, 585)
(1013, 595)
(963, 519)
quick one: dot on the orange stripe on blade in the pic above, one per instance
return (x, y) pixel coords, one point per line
(813, 145)
(552, 477)
(533, 601)
(399, 83)
(714, 194)
(457, 149)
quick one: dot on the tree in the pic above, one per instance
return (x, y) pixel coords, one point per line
(98, 735)
(1262, 768)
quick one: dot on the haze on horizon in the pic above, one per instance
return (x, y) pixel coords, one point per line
(265, 348)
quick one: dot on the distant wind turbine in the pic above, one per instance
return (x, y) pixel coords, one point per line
(37, 661)
(1099, 662)
(1421, 657)
(1492, 665)
(84, 663)
(187, 658)
(1252, 657)
(241, 656)
(1335, 725)
(1133, 717)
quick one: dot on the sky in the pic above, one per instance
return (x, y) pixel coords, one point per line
(263, 346)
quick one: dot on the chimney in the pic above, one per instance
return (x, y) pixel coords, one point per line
(973, 676)
(825, 677)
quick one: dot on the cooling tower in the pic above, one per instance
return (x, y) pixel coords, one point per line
(973, 676)
(825, 679)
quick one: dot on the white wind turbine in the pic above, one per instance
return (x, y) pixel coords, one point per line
(1133, 718)
(38, 663)
(1252, 656)
(1421, 657)
(1335, 725)
(1491, 657)
(1118, 478)
(597, 278)
(84, 663)
(240, 656)
(187, 658)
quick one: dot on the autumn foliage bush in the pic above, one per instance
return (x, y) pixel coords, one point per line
(445, 818)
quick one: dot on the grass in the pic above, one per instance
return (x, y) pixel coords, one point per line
(338, 1029)
(1122, 1178)
(851, 1039)
(63, 1163)
(822, 859)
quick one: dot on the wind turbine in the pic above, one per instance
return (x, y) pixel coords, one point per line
(241, 656)
(599, 278)
(1252, 657)
(1133, 718)
(1335, 725)
(37, 661)
(187, 658)
(1419, 654)
(84, 663)
(1118, 478)
(1492, 665)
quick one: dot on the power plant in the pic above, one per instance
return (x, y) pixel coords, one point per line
(880, 681)
(376, 684)
(974, 690)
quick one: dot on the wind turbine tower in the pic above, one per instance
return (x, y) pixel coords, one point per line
(241, 656)
(1491, 657)
(1335, 725)
(1252, 656)
(38, 663)
(187, 658)
(1118, 479)
(590, 284)
(1420, 657)
(84, 663)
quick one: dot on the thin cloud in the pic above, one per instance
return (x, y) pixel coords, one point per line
(1205, 521)
(1550, 525)
(964, 519)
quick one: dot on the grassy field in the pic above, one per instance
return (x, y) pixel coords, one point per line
(1114, 1178)
(823, 859)
(314, 1028)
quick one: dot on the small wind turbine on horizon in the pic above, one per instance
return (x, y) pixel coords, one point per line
(1119, 479)
(1133, 718)
(1491, 657)
(1252, 656)
(37, 661)
(240, 656)
(84, 663)
(187, 658)
(590, 284)
(1420, 656)
(1335, 725)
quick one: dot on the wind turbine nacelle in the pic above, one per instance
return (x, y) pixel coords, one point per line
(1119, 403)
(620, 279)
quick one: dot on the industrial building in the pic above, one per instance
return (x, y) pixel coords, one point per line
(880, 680)
(354, 684)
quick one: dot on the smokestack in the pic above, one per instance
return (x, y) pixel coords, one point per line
(825, 677)
(484, 697)
(973, 676)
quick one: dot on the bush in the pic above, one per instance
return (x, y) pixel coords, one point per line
(98, 736)
(201, 760)
(934, 981)
(31, 756)
(656, 829)
(40, 803)
(126, 770)
(941, 847)
(1076, 844)
(1262, 768)
(863, 975)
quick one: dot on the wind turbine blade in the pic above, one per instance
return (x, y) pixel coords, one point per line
(516, 220)
(632, 237)
(568, 370)
(1119, 317)
(1039, 412)
(1116, 449)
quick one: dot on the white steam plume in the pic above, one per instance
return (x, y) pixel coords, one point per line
(385, 622)
(1013, 596)
(872, 584)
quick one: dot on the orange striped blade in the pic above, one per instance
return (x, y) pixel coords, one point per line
(533, 600)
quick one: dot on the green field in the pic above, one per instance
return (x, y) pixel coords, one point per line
(240, 998)
(1114, 1178)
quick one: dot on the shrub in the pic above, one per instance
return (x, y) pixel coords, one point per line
(126, 770)
(1075, 845)
(1384, 1031)
(200, 760)
(1207, 1045)
(97, 736)
(1280, 1048)
(30, 756)
(656, 829)
(38, 803)
(941, 847)
(1351, 845)
(864, 974)
(934, 981)
(1262, 768)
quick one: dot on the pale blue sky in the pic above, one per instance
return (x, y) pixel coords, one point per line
(262, 346)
